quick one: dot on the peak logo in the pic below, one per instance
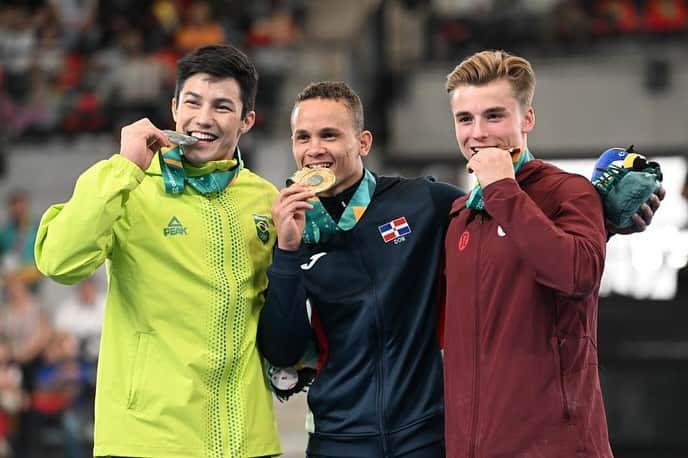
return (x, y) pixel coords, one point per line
(174, 227)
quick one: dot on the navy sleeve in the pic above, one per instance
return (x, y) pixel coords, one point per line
(444, 195)
(283, 329)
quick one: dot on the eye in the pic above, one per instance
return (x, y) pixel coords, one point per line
(495, 116)
(301, 138)
(463, 119)
(191, 103)
(225, 108)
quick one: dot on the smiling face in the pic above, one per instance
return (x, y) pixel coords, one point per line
(490, 115)
(324, 135)
(209, 109)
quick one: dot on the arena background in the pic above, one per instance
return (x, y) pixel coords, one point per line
(610, 73)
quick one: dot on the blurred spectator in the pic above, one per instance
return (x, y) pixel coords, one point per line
(10, 396)
(26, 330)
(82, 316)
(59, 382)
(198, 28)
(571, 23)
(17, 238)
(271, 40)
(615, 17)
(135, 85)
(17, 44)
(78, 20)
(666, 15)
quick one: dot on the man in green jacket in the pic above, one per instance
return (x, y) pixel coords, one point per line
(186, 237)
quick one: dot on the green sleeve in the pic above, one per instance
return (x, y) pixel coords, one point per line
(74, 238)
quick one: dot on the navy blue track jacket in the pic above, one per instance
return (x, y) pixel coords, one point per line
(375, 302)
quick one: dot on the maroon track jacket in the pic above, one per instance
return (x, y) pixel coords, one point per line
(520, 356)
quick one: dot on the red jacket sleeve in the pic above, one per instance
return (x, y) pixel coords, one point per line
(566, 246)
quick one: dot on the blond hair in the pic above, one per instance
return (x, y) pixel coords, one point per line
(486, 66)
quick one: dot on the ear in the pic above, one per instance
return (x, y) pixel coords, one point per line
(174, 109)
(365, 141)
(248, 122)
(528, 121)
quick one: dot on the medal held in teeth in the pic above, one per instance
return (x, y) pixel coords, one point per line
(180, 139)
(317, 180)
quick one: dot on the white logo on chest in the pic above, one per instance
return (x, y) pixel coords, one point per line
(500, 231)
(313, 260)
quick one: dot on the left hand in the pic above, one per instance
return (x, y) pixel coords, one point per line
(491, 164)
(643, 218)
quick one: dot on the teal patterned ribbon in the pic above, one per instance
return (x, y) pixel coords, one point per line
(319, 224)
(205, 179)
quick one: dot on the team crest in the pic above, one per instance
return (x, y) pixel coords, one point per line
(262, 227)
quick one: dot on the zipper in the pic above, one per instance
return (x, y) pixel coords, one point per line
(564, 396)
(380, 368)
(560, 368)
(476, 351)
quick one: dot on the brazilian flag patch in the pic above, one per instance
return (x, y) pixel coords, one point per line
(262, 227)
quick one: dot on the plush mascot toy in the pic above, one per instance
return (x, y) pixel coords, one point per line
(625, 180)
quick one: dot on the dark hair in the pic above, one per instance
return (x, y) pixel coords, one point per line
(221, 61)
(339, 92)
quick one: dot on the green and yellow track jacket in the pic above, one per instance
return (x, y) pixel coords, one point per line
(179, 374)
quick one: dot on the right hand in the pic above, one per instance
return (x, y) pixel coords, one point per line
(289, 215)
(140, 140)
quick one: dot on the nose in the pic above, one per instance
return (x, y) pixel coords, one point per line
(479, 132)
(315, 147)
(204, 116)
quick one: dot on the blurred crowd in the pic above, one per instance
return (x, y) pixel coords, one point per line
(74, 66)
(553, 24)
(48, 351)
(79, 66)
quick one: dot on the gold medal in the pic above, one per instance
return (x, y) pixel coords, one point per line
(317, 180)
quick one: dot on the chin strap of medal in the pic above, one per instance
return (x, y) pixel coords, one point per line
(625, 180)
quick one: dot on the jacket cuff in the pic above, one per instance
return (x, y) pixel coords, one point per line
(500, 189)
(125, 167)
(285, 262)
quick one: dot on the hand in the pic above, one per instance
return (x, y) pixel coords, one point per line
(491, 164)
(289, 215)
(139, 142)
(643, 218)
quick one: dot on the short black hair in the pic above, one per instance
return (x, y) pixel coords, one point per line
(221, 61)
(338, 91)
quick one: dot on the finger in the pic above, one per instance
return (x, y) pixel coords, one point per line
(653, 202)
(639, 223)
(472, 164)
(293, 189)
(298, 197)
(646, 213)
(296, 207)
(661, 192)
(158, 138)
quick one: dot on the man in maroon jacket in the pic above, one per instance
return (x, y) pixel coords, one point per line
(524, 258)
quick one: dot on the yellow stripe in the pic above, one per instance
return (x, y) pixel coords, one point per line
(172, 162)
